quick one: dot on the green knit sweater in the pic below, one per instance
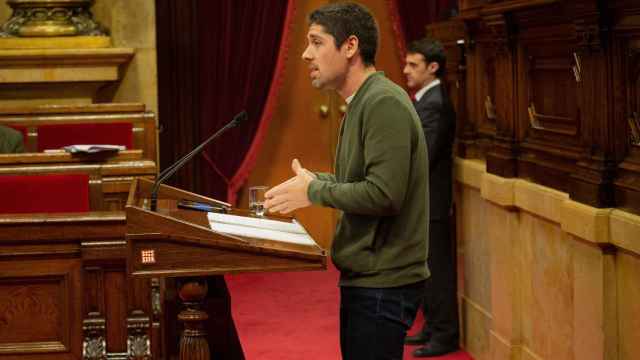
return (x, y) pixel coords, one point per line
(381, 187)
(10, 141)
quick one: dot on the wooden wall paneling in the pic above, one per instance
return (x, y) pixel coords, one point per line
(626, 97)
(117, 307)
(486, 99)
(501, 158)
(40, 289)
(139, 315)
(478, 128)
(592, 182)
(577, 62)
(466, 122)
(105, 329)
(94, 317)
(453, 36)
(549, 117)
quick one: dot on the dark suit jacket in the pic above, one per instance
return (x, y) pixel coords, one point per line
(438, 122)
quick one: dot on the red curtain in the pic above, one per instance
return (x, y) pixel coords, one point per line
(215, 59)
(242, 62)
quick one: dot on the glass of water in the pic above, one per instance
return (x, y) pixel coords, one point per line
(256, 199)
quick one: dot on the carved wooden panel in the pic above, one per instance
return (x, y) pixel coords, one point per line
(560, 80)
(627, 73)
(548, 120)
(453, 36)
(486, 85)
(548, 108)
(67, 273)
(117, 308)
(551, 95)
(25, 301)
(39, 308)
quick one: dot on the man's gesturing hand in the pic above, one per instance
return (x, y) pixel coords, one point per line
(291, 194)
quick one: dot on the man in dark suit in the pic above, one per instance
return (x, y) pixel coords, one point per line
(425, 65)
(10, 141)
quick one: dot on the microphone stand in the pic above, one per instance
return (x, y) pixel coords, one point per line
(168, 172)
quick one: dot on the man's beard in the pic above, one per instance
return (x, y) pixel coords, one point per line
(316, 83)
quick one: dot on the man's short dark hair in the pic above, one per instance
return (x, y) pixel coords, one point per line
(432, 50)
(342, 20)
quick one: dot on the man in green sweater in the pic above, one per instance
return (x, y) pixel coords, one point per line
(10, 141)
(380, 186)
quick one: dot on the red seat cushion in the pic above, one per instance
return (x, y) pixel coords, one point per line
(61, 135)
(44, 193)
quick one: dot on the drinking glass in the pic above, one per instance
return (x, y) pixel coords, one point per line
(256, 199)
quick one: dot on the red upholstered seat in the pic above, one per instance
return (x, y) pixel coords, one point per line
(57, 136)
(44, 193)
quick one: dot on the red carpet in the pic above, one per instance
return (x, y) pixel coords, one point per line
(293, 316)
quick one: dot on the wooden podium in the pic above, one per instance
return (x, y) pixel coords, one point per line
(173, 242)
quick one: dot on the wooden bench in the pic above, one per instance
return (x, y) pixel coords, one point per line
(114, 169)
(31, 118)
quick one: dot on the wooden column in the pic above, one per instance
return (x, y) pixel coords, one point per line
(193, 342)
(592, 181)
(502, 157)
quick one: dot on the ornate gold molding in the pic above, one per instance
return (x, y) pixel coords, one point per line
(47, 18)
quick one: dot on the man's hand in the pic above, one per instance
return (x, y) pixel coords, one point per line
(291, 194)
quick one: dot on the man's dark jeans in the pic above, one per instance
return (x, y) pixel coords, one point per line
(374, 321)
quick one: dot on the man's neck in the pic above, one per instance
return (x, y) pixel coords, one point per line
(428, 85)
(354, 79)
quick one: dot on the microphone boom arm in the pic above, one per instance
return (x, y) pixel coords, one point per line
(168, 172)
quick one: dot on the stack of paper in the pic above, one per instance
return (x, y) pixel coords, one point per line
(291, 232)
(90, 149)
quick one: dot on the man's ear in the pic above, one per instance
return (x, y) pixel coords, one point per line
(351, 44)
(433, 67)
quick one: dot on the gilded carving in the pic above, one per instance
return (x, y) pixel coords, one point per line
(47, 18)
(156, 301)
(138, 341)
(94, 345)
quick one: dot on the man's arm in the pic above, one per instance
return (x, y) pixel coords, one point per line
(436, 129)
(387, 163)
(325, 176)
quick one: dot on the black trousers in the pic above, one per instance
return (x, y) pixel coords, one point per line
(374, 321)
(440, 303)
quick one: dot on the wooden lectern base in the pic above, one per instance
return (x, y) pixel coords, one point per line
(206, 324)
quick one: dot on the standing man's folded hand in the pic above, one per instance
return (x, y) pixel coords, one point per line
(291, 194)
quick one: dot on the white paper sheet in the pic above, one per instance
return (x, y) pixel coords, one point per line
(291, 232)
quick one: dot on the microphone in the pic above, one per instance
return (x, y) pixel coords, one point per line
(168, 172)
